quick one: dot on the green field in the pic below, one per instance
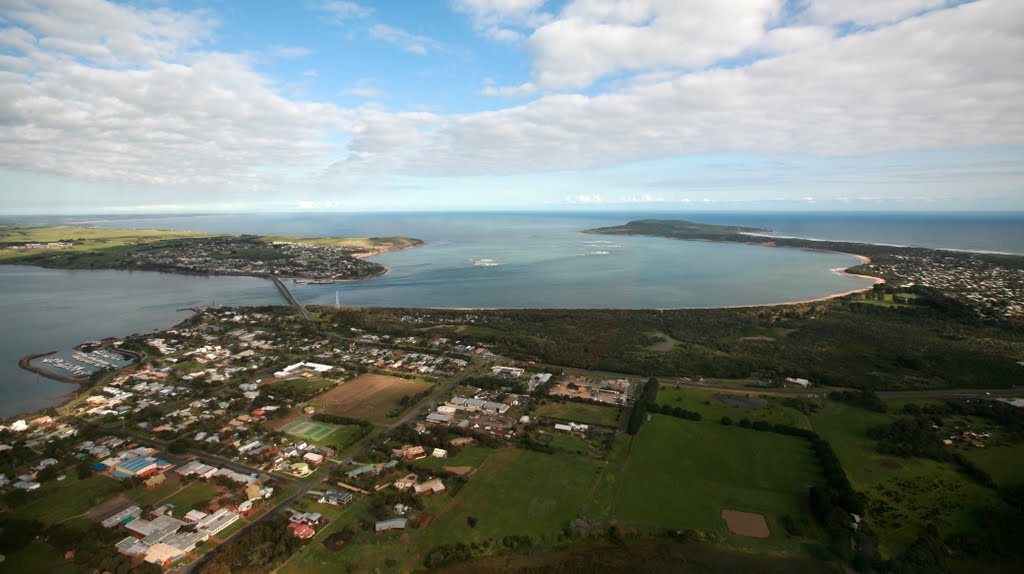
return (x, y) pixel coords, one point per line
(904, 494)
(58, 500)
(323, 434)
(682, 474)
(709, 405)
(1004, 463)
(472, 456)
(38, 557)
(581, 413)
(146, 497)
(195, 496)
(518, 492)
(314, 385)
(309, 430)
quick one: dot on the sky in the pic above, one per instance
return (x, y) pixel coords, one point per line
(335, 105)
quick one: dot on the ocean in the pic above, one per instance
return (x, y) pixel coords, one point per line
(510, 260)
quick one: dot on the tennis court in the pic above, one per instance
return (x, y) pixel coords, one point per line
(308, 429)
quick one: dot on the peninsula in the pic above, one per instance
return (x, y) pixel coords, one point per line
(323, 259)
(991, 284)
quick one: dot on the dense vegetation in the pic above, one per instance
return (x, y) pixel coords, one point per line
(835, 342)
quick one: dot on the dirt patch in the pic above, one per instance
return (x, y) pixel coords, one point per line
(768, 339)
(335, 542)
(459, 470)
(108, 508)
(745, 402)
(748, 524)
(369, 397)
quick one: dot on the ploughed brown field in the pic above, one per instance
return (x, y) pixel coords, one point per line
(369, 397)
(746, 523)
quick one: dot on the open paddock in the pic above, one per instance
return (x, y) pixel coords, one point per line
(600, 415)
(369, 397)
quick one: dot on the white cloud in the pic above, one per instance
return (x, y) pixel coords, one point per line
(502, 20)
(948, 78)
(289, 52)
(364, 88)
(867, 12)
(520, 91)
(122, 94)
(584, 199)
(342, 11)
(404, 39)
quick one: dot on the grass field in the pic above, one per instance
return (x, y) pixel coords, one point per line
(904, 494)
(518, 492)
(369, 397)
(323, 434)
(707, 403)
(315, 385)
(581, 413)
(471, 456)
(57, 500)
(195, 496)
(38, 557)
(146, 497)
(1004, 463)
(682, 474)
(87, 238)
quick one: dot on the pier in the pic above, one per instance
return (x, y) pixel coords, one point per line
(291, 298)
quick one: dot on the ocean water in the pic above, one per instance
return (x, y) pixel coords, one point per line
(471, 260)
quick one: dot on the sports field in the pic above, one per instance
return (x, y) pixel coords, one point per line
(309, 430)
(369, 397)
(683, 474)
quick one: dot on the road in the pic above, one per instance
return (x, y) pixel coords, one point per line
(291, 298)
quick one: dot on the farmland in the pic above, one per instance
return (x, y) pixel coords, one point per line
(517, 492)
(711, 406)
(369, 397)
(682, 474)
(904, 494)
(581, 413)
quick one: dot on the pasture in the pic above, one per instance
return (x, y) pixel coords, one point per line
(903, 494)
(58, 500)
(369, 397)
(683, 474)
(516, 492)
(710, 405)
(607, 416)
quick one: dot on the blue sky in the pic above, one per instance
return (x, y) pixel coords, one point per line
(510, 104)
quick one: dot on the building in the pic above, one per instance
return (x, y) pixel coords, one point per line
(218, 521)
(162, 554)
(336, 498)
(391, 524)
(301, 531)
(798, 382)
(299, 368)
(193, 516)
(507, 371)
(406, 482)
(124, 516)
(439, 453)
(429, 487)
(439, 418)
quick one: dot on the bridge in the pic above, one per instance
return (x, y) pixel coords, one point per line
(291, 298)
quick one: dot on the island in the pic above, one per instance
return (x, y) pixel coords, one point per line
(321, 260)
(991, 284)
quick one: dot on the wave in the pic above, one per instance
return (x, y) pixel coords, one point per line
(485, 262)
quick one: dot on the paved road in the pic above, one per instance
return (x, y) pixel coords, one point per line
(291, 298)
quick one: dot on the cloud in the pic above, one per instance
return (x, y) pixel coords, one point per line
(867, 13)
(947, 78)
(583, 199)
(116, 93)
(289, 52)
(502, 20)
(403, 39)
(364, 88)
(520, 91)
(341, 11)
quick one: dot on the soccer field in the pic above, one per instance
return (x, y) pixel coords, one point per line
(309, 429)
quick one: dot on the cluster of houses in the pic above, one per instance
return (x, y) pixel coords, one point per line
(220, 255)
(400, 360)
